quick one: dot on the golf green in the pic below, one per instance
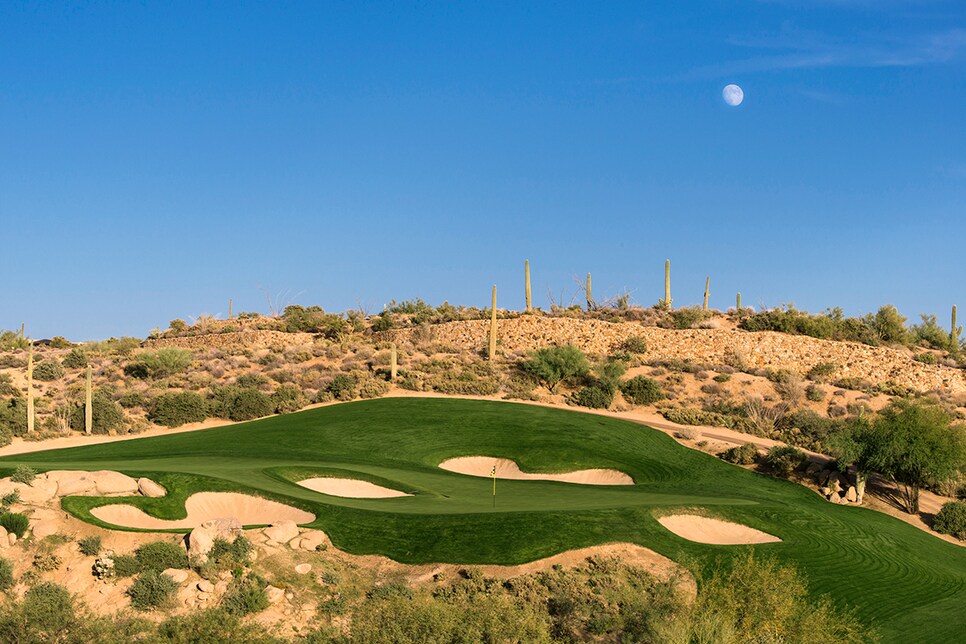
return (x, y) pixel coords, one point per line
(905, 582)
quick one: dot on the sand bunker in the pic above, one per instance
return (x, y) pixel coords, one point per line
(714, 531)
(350, 488)
(507, 469)
(204, 506)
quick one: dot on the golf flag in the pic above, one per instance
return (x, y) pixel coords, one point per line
(493, 474)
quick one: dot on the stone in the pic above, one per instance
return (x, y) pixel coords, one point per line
(813, 469)
(110, 483)
(312, 539)
(11, 538)
(823, 477)
(149, 488)
(834, 486)
(43, 529)
(202, 538)
(72, 483)
(282, 532)
(40, 493)
(274, 594)
(303, 568)
(221, 587)
(4, 543)
(850, 495)
(206, 586)
(179, 576)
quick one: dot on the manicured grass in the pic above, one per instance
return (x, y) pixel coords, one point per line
(907, 583)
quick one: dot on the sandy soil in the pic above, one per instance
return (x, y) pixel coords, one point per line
(714, 531)
(204, 506)
(350, 488)
(507, 469)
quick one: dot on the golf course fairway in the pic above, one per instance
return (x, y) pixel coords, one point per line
(907, 583)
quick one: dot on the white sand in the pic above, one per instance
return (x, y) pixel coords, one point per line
(507, 469)
(714, 531)
(204, 506)
(350, 488)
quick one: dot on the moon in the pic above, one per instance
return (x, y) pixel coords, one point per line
(733, 95)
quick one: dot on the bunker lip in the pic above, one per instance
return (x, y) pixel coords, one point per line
(350, 488)
(507, 469)
(714, 531)
(204, 506)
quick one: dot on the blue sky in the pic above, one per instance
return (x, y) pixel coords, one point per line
(159, 158)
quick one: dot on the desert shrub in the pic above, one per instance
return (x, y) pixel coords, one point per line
(642, 390)
(159, 364)
(8, 499)
(245, 595)
(790, 388)
(815, 393)
(686, 317)
(236, 403)
(47, 610)
(930, 333)
(382, 323)
(161, 555)
(741, 454)
(342, 387)
(90, 546)
(10, 340)
(373, 388)
(23, 474)
(288, 398)
(7, 388)
(106, 414)
(176, 409)
(251, 381)
(888, 325)
(227, 555)
(213, 626)
(926, 358)
(6, 575)
(785, 459)
(633, 344)
(48, 370)
(597, 396)
(75, 359)
(126, 565)
(692, 416)
(46, 561)
(132, 399)
(553, 365)
(951, 519)
(15, 522)
(152, 589)
(722, 377)
(13, 418)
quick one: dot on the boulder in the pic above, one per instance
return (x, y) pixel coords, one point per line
(179, 576)
(72, 483)
(850, 494)
(274, 594)
(149, 488)
(40, 492)
(282, 532)
(303, 568)
(823, 477)
(834, 486)
(43, 528)
(4, 543)
(114, 483)
(813, 469)
(312, 540)
(11, 538)
(202, 538)
(206, 586)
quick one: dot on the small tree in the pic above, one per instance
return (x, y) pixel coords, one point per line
(915, 445)
(552, 365)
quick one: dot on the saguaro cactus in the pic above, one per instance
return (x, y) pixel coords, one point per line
(21, 330)
(393, 362)
(954, 332)
(738, 303)
(707, 286)
(666, 302)
(88, 404)
(492, 349)
(229, 308)
(30, 388)
(590, 295)
(526, 272)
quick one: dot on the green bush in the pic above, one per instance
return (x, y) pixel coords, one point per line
(785, 459)
(633, 344)
(48, 370)
(237, 403)
(342, 387)
(742, 454)
(132, 399)
(48, 608)
(245, 595)
(373, 388)
(160, 555)
(815, 393)
(930, 333)
(686, 317)
(693, 416)
(951, 519)
(213, 626)
(106, 414)
(75, 359)
(152, 589)
(226, 555)
(382, 323)
(926, 358)
(159, 364)
(6, 575)
(126, 565)
(23, 474)
(642, 390)
(598, 396)
(46, 561)
(553, 365)
(90, 546)
(176, 409)
(288, 398)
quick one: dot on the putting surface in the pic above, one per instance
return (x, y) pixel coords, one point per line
(905, 582)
